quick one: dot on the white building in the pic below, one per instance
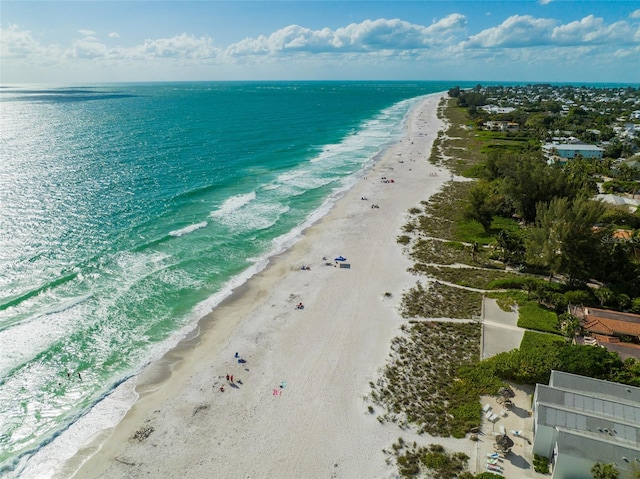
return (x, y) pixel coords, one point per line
(579, 421)
(501, 126)
(494, 109)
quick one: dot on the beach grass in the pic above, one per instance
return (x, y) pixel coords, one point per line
(444, 210)
(468, 276)
(417, 386)
(428, 251)
(440, 301)
(412, 460)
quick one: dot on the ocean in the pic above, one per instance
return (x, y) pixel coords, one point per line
(129, 211)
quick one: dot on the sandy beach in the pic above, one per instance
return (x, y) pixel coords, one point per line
(296, 407)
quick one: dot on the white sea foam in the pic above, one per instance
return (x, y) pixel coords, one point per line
(233, 204)
(48, 461)
(22, 341)
(257, 217)
(188, 229)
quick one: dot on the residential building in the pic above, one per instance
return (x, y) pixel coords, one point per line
(606, 328)
(609, 323)
(494, 109)
(568, 152)
(612, 199)
(579, 421)
(501, 126)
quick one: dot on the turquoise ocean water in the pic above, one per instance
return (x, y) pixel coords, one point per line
(127, 212)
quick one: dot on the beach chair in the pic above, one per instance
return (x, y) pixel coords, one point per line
(488, 414)
(493, 418)
(494, 468)
(486, 407)
(494, 471)
(493, 461)
(493, 455)
(516, 433)
(502, 430)
(503, 413)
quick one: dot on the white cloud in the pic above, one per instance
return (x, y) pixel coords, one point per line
(18, 43)
(592, 30)
(87, 48)
(384, 45)
(515, 31)
(181, 46)
(526, 31)
(368, 36)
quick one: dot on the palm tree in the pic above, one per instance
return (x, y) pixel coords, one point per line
(604, 295)
(604, 471)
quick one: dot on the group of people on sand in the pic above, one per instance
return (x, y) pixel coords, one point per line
(299, 306)
(230, 376)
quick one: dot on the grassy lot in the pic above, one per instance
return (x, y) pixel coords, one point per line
(537, 317)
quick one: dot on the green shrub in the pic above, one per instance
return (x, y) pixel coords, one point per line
(403, 239)
(540, 464)
(532, 339)
(509, 283)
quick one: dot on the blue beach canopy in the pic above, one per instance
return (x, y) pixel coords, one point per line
(341, 258)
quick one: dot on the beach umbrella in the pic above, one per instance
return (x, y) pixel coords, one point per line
(506, 392)
(505, 442)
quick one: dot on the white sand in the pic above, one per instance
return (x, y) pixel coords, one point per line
(318, 424)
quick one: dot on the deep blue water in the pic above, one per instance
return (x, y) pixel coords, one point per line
(129, 211)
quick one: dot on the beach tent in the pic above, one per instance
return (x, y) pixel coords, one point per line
(341, 258)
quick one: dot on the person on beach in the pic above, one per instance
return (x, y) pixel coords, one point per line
(79, 377)
(236, 355)
(221, 389)
(231, 378)
(227, 377)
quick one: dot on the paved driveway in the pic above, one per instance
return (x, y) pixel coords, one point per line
(500, 332)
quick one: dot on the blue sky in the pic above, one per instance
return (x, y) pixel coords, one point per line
(108, 41)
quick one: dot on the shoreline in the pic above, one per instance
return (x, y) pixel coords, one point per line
(324, 356)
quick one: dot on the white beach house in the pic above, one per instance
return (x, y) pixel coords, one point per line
(579, 421)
